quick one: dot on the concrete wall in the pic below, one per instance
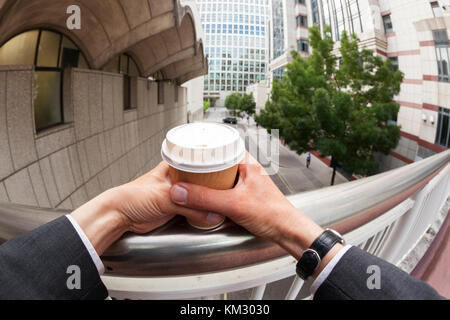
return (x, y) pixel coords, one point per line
(104, 146)
(194, 99)
(261, 94)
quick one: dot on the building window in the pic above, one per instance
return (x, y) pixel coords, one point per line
(125, 65)
(437, 10)
(278, 28)
(315, 13)
(160, 92)
(302, 21)
(50, 53)
(440, 37)
(278, 73)
(388, 28)
(443, 129)
(300, 2)
(442, 53)
(303, 45)
(326, 14)
(355, 16)
(129, 69)
(394, 61)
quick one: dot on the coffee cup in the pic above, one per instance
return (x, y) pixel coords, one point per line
(205, 154)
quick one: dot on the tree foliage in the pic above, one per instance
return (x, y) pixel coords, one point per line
(341, 108)
(233, 101)
(206, 105)
(247, 104)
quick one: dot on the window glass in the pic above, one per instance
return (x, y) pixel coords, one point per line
(133, 69)
(48, 49)
(443, 132)
(440, 37)
(123, 64)
(20, 50)
(71, 56)
(394, 61)
(82, 63)
(388, 28)
(47, 99)
(437, 10)
(55, 52)
(443, 58)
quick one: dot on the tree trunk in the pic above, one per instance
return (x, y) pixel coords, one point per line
(334, 166)
(334, 175)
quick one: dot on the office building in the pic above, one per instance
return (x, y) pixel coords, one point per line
(413, 34)
(236, 45)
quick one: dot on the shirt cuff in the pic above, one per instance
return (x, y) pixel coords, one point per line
(327, 270)
(90, 248)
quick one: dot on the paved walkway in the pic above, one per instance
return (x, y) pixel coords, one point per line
(293, 176)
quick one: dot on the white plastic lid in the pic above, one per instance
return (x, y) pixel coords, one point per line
(203, 147)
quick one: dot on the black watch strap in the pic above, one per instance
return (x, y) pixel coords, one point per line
(312, 257)
(325, 242)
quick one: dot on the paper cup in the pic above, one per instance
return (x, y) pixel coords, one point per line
(205, 154)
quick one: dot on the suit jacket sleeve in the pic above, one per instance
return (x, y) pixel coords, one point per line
(348, 281)
(35, 265)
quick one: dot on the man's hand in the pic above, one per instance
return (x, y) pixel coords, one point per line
(256, 204)
(139, 206)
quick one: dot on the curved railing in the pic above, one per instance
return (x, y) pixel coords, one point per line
(177, 261)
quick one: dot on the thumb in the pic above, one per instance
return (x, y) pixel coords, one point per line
(201, 198)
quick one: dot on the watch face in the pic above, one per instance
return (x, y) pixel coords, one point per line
(307, 264)
(310, 260)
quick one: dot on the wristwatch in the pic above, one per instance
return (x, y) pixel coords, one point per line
(313, 256)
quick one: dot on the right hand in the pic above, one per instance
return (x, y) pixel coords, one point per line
(256, 204)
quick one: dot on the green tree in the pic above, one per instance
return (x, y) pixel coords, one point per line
(343, 110)
(233, 101)
(206, 105)
(248, 104)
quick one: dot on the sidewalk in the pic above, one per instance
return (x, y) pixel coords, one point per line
(293, 176)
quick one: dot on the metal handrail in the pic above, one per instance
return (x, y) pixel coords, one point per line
(178, 249)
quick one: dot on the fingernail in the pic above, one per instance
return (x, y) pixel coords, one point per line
(214, 218)
(179, 194)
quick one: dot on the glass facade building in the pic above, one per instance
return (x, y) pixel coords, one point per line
(278, 28)
(236, 44)
(340, 15)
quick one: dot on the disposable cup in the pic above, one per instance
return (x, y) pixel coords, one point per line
(205, 154)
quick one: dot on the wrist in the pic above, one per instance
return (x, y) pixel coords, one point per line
(102, 223)
(298, 232)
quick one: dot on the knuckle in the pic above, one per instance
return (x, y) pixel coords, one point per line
(202, 198)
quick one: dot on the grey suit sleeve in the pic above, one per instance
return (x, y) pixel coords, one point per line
(35, 265)
(348, 281)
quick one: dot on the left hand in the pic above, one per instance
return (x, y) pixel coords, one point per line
(139, 206)
(145, 202)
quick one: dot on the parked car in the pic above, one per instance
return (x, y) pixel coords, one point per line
(230, 120)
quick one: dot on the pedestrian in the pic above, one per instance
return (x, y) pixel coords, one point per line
(308, 160)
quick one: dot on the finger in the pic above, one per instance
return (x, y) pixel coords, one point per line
(250, 166)
(202, 198)
(197, 216)
(161, 170)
